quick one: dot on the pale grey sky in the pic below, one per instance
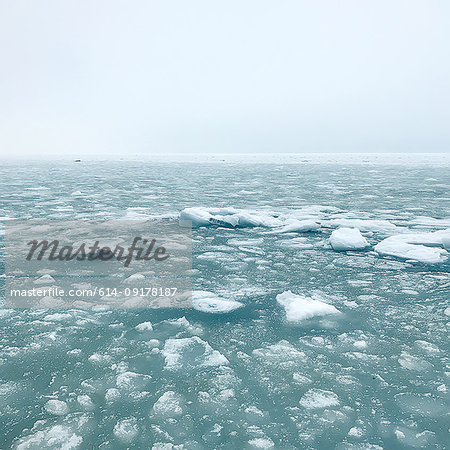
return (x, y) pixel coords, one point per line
(102, 77)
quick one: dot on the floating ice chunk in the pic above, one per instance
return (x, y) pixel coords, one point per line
(360, 344)
(319, 398)
(301, 379)
(427, 347)
(144, 326)
(356, 432)
(228, 217)
(57, 317)
(45, 279)
(281, 354)
(168, 405)
(379, 226)
(52, 438)
(299, 307)
(262, 442)
(344, 239)
(300, 226)
(56, 407)
(112, 394)
(411, 362)
(422, 247)
(134, 277)
(85, 402)
(76, 193)
(190, 353)
(131, 380)
(126, 429)
(100, 358)
(209, 302)
(447, 311)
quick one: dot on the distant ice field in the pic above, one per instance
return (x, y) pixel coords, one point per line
(320, 316)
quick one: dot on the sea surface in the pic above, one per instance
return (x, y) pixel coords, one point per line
(373, 375)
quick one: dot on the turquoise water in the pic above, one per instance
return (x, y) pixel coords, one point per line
(373, 376)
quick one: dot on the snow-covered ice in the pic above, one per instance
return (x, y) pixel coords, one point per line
(318, 399)
(344, 239)
(190, 353)
(422, 247)
(300, 307)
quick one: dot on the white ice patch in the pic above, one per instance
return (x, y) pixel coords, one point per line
(85, 402)
(126, 429)
(168, 405)
(299, 307)
(344, 239)
(300, 226)
(56, 407)
(422, 247)
(319, 398)
(45, 279)
(52, 438)
(228, 217)
(144, 326)
(377, 226)
(282, 354)
(190, 353)
(209, 302)
(262, 443)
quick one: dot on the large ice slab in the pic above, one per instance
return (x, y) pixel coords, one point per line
(344, 239)
(299, 307)
(191, 353)
(423, 247)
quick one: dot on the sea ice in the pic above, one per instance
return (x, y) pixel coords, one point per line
(422, 247)
(299, 307)
(168, 405)
(45, 279)
(51, 438)
(209, 302)
(144, 326)
(126, 429)
(344, 239)
(282, 354)
(56, 407)
(85, 402)
(300, 226)
(190, 353)
(262, 443)
(228, 217)
(378, 226)
(319, 398)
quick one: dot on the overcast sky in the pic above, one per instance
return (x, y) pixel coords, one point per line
(139, 76)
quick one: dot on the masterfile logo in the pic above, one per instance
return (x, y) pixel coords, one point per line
(110, 263)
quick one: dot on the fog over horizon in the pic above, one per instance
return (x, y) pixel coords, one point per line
(152, 77)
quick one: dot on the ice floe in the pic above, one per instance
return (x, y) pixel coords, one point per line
(168, 405)
(56, 407)
(144, 326)
(300, 226)
(228, 217)
(51, 438)
(209, 302)
(318, 399)
(423, 247)
(300, 307)
(375, 225)
(126, 429)
(344, 239)
(190, 353)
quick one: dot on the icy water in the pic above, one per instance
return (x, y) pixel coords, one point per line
(374, 375)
